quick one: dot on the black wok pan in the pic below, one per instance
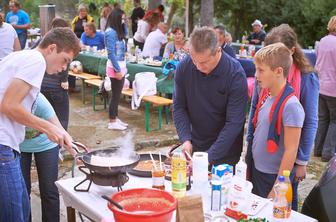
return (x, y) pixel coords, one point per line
(85, 157)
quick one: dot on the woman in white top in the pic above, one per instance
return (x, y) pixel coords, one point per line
(145, 26)
(104, 15)
(9, 39)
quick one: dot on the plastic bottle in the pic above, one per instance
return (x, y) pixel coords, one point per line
(241, 168)
(280, 203)
(289, 193)
(179, 174)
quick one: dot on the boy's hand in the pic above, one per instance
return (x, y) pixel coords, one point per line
(300, 173)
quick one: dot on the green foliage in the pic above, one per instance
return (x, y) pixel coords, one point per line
(309, 18)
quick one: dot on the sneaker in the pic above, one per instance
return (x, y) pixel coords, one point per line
(116, 126)
(122, 123)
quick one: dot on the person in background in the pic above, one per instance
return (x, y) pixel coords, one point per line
(145, 26)
(106, 10)
(160, 9)
(274, 150)
(304, 81)
(180, 44)
(220, 31)
(155, 41)
(325, 142)
(19, 19)
(21, 75)
(258, 35)
(116, 64)
(210, 100)
(9, 39)
(91, 37)
(228, 38)
(55, 87)
(45, 154)
(137, 14)
(78, 23)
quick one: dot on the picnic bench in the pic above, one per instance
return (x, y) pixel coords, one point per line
(84, 76)
(156, 101)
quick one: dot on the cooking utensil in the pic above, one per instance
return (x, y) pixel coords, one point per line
(143, 205)
(112, 202)
(147, 173)
(85, 157)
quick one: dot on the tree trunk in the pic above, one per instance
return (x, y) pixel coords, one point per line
(191, 17)
(153, 4)
(207, 12)
(172, 11)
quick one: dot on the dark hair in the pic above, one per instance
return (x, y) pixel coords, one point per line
(114, 21)
(153, 18)
(116, 5)
(64, 38)
(59, 22)
(176, 29)
(161, 8)
(221, 29)
(285, 34)
(1, 19)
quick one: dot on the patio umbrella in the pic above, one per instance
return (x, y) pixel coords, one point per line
(321, 201)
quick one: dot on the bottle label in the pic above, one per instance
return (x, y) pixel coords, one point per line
(179, 174)
(279, 212)
(158, 181)
(216, 200)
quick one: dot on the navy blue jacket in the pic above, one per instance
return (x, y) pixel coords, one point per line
(210, 109)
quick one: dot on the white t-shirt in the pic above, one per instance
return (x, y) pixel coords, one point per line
(142, 31)
(153, 43)
(29, 66)
(7, 36)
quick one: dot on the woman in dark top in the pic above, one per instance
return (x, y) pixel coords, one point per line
(55, 87)
(79, 21)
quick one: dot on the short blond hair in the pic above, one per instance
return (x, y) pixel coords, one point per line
(332, 24)
(275, 55)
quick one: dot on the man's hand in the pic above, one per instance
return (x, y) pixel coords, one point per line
(300, 173)
(187, 147)
(271, 195)
(256, 41)
(65, 85)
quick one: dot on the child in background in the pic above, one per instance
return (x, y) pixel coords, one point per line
(277, 121)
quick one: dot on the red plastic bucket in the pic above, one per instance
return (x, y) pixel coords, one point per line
(143, 205)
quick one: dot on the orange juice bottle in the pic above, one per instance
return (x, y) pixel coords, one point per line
(289, 193)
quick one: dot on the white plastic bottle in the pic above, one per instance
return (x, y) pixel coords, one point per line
(241, 168)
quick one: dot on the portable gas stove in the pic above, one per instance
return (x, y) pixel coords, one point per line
(114, 180)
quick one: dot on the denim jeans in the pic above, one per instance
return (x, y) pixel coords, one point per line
(14, 202)
(117, 86)
(59, 99)
(47, 171)
(23, 39)
(325, 141)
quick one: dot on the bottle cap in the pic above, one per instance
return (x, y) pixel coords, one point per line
(286, 173)
(281, 179)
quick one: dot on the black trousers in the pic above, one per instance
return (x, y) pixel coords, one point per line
(117, 86)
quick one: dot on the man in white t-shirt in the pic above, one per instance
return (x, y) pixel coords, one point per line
(155, 40)
(9, 39)
(21, 75)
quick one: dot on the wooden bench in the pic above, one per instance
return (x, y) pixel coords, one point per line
(155, 101)
(96, 84)
(84, 76)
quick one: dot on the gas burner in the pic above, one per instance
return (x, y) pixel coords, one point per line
(114, 180)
